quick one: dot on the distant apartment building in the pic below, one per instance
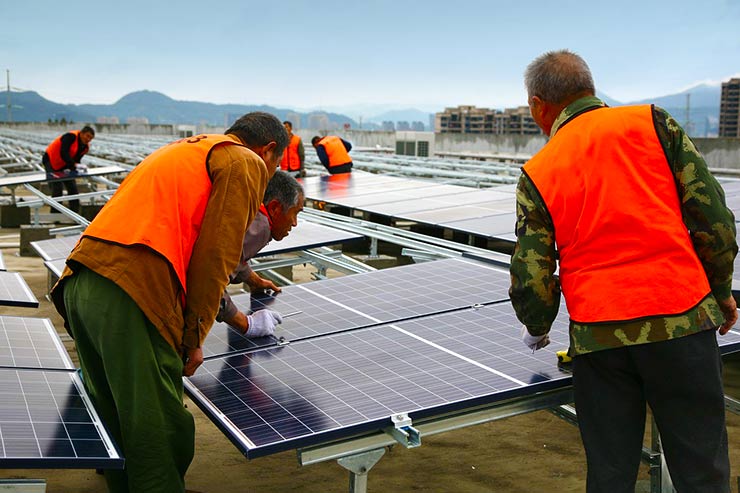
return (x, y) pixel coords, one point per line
(294, 118)
(107, 119)
(473, 120)
(729, 109)
(137, 120)
(388, 126)
(318, 121)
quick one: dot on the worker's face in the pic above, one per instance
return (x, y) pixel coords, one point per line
(86, 137)
(288, 128)
(283, 220)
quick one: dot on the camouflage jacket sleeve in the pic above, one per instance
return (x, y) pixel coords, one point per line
(535, 290)
(710, 223)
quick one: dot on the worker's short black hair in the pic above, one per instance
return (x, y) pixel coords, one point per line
(258, 129)
(289, 123)
(315, 140)
(88, 129)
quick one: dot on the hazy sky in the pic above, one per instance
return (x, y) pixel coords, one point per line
(308, 54)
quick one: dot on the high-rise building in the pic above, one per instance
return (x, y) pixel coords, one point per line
(294, 118)
(318, 121)
(473, 120)
(729, 109)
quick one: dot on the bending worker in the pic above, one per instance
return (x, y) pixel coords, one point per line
(294, 157)
(142, 287)
(333, 153)
(646, 247)
(277, 215)
(62, 156)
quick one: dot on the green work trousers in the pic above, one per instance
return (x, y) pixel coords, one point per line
(135, 381)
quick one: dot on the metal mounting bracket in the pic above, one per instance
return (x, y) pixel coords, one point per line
(403, 432)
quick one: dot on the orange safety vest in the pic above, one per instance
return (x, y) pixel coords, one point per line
(291, 161)
(625, 252)
(54, 151)
(335, 150)
(161, 203)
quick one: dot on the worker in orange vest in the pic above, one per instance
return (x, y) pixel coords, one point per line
(620, 200)
(333, 152)
(142, 287)
(61, 158)
(294, 156)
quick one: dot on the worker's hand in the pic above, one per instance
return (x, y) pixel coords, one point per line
(262, 323)
(729, 310)
(259, 284)
(192, 360)
(534, 342)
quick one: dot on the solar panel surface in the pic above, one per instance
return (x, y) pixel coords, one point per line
(47, 421)
(31, 343)
(372, 298)
(15, 292)
(55, 248)
(315, 390)
(308, 235)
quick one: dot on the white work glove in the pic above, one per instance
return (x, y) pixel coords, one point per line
(534, 342)
(262, 323)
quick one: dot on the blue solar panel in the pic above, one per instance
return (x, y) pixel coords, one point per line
(314, 390)
(31, 343)
(55, 248)
(308, 235)
(47, 421)
(372, 298)
(417, 289)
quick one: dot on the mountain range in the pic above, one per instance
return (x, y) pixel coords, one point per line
(157, 108)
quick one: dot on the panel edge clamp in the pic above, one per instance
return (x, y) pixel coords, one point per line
(282, 341)
(403, 432)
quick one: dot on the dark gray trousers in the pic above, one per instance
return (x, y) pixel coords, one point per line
(681, 380)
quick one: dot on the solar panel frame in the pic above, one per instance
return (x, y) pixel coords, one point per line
(14, 180)
(308, 235)
(15, 292)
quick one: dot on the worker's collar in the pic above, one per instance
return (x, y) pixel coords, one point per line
(574, 109)
(263, 210)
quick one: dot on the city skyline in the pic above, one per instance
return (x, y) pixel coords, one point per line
(333, 56)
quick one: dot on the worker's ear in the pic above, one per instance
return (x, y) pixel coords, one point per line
(274, 208)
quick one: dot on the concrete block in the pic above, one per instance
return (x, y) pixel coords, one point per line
(12, 216)
(89, 211)
(31, 233)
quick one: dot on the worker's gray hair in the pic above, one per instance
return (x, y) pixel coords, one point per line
(285, 189)
(258, 129)
(556, 76)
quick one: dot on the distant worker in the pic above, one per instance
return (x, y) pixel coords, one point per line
(142, 287)
(333, 153)
(622, 200)
(294, 156)
(278, 214)
(61, 158)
